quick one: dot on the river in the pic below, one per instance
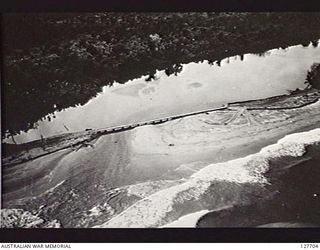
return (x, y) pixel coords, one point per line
(198, 86)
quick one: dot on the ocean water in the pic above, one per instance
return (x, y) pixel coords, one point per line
(211, 195)
(165, 206)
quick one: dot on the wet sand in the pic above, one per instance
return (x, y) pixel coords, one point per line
(193, 140)
(88, 186)
(240, 182)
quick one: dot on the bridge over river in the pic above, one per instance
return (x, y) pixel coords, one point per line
(92, 134)
(120, 128)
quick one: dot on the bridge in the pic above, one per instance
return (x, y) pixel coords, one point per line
(94, 133)
(121, 128)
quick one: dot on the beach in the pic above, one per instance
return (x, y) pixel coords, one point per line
(153, 175)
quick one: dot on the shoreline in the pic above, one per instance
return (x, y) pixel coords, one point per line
(292, 186)
(172, 152)
(241, 180)
(139, 173)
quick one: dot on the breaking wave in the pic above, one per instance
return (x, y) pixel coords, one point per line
(158, 208)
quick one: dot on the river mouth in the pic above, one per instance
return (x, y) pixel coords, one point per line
(179, 120)
(193, 87)
(167, 171)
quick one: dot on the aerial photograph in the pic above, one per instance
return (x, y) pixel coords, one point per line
(160, 120)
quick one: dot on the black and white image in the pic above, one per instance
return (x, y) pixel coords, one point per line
(160, 120)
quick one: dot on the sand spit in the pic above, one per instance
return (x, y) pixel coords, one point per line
(162, 171)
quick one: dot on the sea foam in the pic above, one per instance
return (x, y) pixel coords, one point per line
(152, 211)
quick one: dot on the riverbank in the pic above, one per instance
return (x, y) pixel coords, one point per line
(14, 154)
(74, 56)
(110, 179)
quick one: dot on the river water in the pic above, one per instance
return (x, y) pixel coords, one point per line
(198, 86)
